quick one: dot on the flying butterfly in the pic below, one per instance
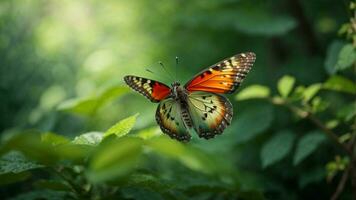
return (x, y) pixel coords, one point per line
(198, 104)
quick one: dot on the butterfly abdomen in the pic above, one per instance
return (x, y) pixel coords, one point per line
(186, 117)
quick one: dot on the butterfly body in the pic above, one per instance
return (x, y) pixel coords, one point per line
(198, 104)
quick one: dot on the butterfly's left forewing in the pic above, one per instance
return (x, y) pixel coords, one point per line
(169, 118)
(210, 113)
(153, 90)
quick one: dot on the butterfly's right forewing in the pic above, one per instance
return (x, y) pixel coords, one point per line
(169, 118)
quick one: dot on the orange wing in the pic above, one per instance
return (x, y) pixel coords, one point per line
(153, 90)
(223, 77)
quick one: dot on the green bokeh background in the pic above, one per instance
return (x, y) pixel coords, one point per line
(55, 55)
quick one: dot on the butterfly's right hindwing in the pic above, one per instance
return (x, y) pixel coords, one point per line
(169, 118)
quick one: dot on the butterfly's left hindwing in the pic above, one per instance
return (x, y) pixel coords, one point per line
(210, 113)
(169, 118)
(153, 90)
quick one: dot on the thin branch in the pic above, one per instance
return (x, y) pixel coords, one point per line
(341, 185)
(308, 115)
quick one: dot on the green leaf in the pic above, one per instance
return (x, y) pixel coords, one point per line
(91, 138)
(149, 133)
(340, 84)
(311, 91)
(277, 147)
(347, 57)
(311, 176)
(245, 126)
(285, 85)
(16, 162)
(41, 194)
(73, 152)
(253, 91)
(307, 145)
(190, 157)
(347, 112)
(123, 127)
(10, 178)
(114, 158)
(30, 144)
(52, 185)
(54, 139)
(89, 105)
(332, 56)
(83, 106)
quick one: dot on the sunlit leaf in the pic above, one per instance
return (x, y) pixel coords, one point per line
(123, 127)
(190, 157)
(245, 125)
(91, 138)
(54, 139)
(332, 56)
(253, 91)
(149, 133)
(85, 106)
(73, 152)
(347, 57)
(340, 84)
(285, 85)
(311, 91)
(89, 105)
(277, 147)
(307, 145)
(115, 158)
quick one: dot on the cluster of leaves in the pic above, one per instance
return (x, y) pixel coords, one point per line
(113, 164)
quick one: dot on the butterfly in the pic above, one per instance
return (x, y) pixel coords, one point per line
(198, 104)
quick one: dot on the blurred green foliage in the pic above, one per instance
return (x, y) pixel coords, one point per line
(69, 127)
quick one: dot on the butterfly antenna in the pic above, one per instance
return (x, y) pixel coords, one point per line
(176, 70)
(164, 68)
(155, 74)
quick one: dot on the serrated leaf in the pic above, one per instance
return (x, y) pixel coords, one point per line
(91, 138)
(16, 162)
(285, 85)
(245, 125)
(277, 147)
(332, 56)
(252, 92)
(347, 57)
(123, 127)
(307, 145)
(114, 158)
(311, 91)
(340, 84)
